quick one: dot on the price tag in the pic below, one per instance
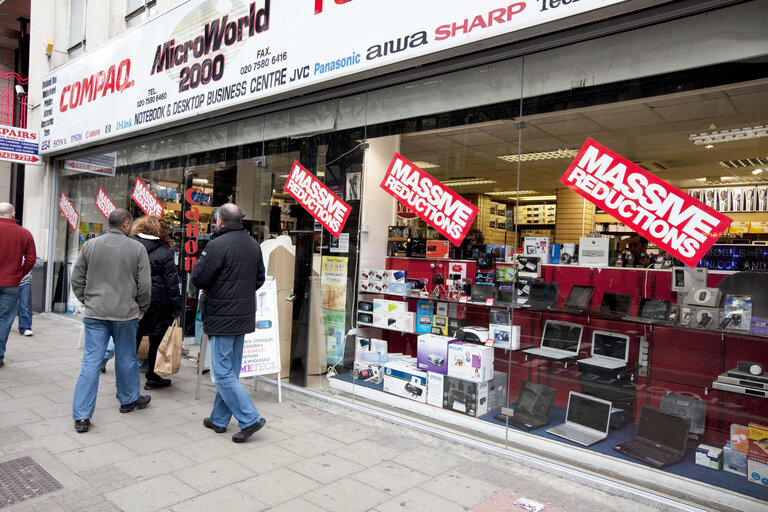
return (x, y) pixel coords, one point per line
(463, 299)
(489, 301)
(489, 342)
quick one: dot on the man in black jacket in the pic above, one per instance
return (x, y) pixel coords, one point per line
(229, 272)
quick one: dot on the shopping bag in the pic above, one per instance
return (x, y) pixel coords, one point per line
(143, 351)
(169, 352)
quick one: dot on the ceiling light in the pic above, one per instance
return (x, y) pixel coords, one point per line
(745, 162)
(543, 155)
(199, 181)
(757, 171)
(467, 182)
(538, 198)
(714, 137)
(512, 192)
(708, 146)
(425, 165)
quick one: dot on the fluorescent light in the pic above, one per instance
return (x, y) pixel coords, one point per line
(543, 155)
(757, 171)
(467, 182)
(511, 192)
(425, 165)
(538, 198)
(715, 137)
(745, 162)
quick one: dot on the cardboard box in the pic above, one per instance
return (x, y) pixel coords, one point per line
(474, 398)
(432, 353)
(424, 316)
(757, 455)
(367, 372)
(438, 248)
(405, 369)
(412, 390)
(441, 323)
(470, 362)
(734, 461)
(594, 252)
(537, 246)
(739, 437)
(435, 389)
(757, 471)
(709, 456)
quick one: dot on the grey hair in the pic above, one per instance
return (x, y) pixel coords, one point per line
(230, 213)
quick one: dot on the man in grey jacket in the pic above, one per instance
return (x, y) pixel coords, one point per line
(112, 278)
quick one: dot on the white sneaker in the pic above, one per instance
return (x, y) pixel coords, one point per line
(28, 332)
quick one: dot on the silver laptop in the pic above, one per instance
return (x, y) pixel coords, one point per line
(609, 350)
(560, 340)
(587, 420)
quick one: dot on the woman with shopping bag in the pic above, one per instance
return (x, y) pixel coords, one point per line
(154, 235)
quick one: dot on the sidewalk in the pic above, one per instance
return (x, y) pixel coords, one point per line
(311, 456)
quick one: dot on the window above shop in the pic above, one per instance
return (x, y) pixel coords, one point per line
(137, 11)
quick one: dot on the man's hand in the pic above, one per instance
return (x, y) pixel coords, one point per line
(140, 317)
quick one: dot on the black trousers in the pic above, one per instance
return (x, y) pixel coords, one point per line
(154, 344)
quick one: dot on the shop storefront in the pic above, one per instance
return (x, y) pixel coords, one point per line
(679, 89)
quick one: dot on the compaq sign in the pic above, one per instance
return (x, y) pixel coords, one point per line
(115, 78)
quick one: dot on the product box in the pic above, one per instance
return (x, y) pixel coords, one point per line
(505, 273)
(367, 372)
(757, 471)
(594, 252)
(709, 456)
(423, 315)
(440, 323)
(473, 398)
(432, 353)
(405, 369)
(398, 276)
(505, 336)
(739, 437)
(734, 461)
(757, 456)
(441, 308)
(403, 289)
(499, 251)
(435, 389)
(537, 247)
(407, 389)
(470, 362)
(438, 248)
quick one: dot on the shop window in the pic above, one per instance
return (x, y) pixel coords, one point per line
(137, 11)
(77, 14)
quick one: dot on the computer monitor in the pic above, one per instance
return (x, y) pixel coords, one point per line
(616, 303)
(562, 336)
(579, 297)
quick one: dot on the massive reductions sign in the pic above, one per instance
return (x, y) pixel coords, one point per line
(146, 201)
(325, 206)
(437, 205)
(207, 55)
(681, 225)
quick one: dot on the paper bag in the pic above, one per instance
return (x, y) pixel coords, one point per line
(143, 351)
(169, 352)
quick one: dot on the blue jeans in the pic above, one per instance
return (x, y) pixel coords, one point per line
(25, 307)
(9, 300)
(97, 333)
(231, 398)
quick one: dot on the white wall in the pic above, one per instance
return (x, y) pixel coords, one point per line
(378, 207)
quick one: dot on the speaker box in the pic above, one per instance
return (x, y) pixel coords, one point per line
(686, 405)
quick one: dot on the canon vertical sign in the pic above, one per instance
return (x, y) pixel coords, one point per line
(681, 225)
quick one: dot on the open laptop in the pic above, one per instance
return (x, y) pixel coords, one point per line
(660, 439)
(506, 296)
(482, 291)
(578, 298)
(609, 350)
(533, 408)
(655, 309)
(587, 420)
(543, 295)
(615, 304)
(559, 341)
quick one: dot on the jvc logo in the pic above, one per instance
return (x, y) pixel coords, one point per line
(319, 5)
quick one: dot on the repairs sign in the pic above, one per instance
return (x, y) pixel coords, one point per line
(440, 207)
(676, 222)
(19, 145)
(325, 206)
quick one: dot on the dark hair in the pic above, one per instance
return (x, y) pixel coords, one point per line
(230, 213)
(118, 216)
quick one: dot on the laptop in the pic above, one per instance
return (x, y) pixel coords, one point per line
(587, 420)
(609, 350)
(482, 291)
(543, 295)
(615, 304)
(559, 341)
(578, 298)
(655, 309)
(660, 439)
(506, 296)
(533, 408)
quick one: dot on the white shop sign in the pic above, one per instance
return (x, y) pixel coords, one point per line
(207, 55)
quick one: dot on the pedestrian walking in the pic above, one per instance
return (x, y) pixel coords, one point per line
(154, 235)
(112, 279)
(16, 260)
(229, 272)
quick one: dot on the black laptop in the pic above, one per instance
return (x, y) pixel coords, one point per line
(543, 295)
(578, 298)
(506, 296)
(533, 408)
(482, 291)
(660, 439)
(615, 304)
(655, 309)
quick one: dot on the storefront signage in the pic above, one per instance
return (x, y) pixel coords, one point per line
(193, 195)
(676, 222)
(437, 205)
(261, 348)
(146, 201)
(104, 203)
(208, 55)
(325, 206)
(69, 212)
(19, 145)
(104, 165)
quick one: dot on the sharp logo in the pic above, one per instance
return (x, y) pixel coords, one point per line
(115, 78)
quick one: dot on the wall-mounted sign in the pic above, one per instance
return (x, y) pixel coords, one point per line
(326, 207)
(208, 55)
(676, 222)
(437, 205)
(19, 145)
(96, 164)
(146, 201)
(404, 212)
(69, 212)
(104, 203)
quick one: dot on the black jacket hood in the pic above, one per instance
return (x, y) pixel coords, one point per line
(149, 245)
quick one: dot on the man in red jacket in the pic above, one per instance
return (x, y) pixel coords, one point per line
(16, 260)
